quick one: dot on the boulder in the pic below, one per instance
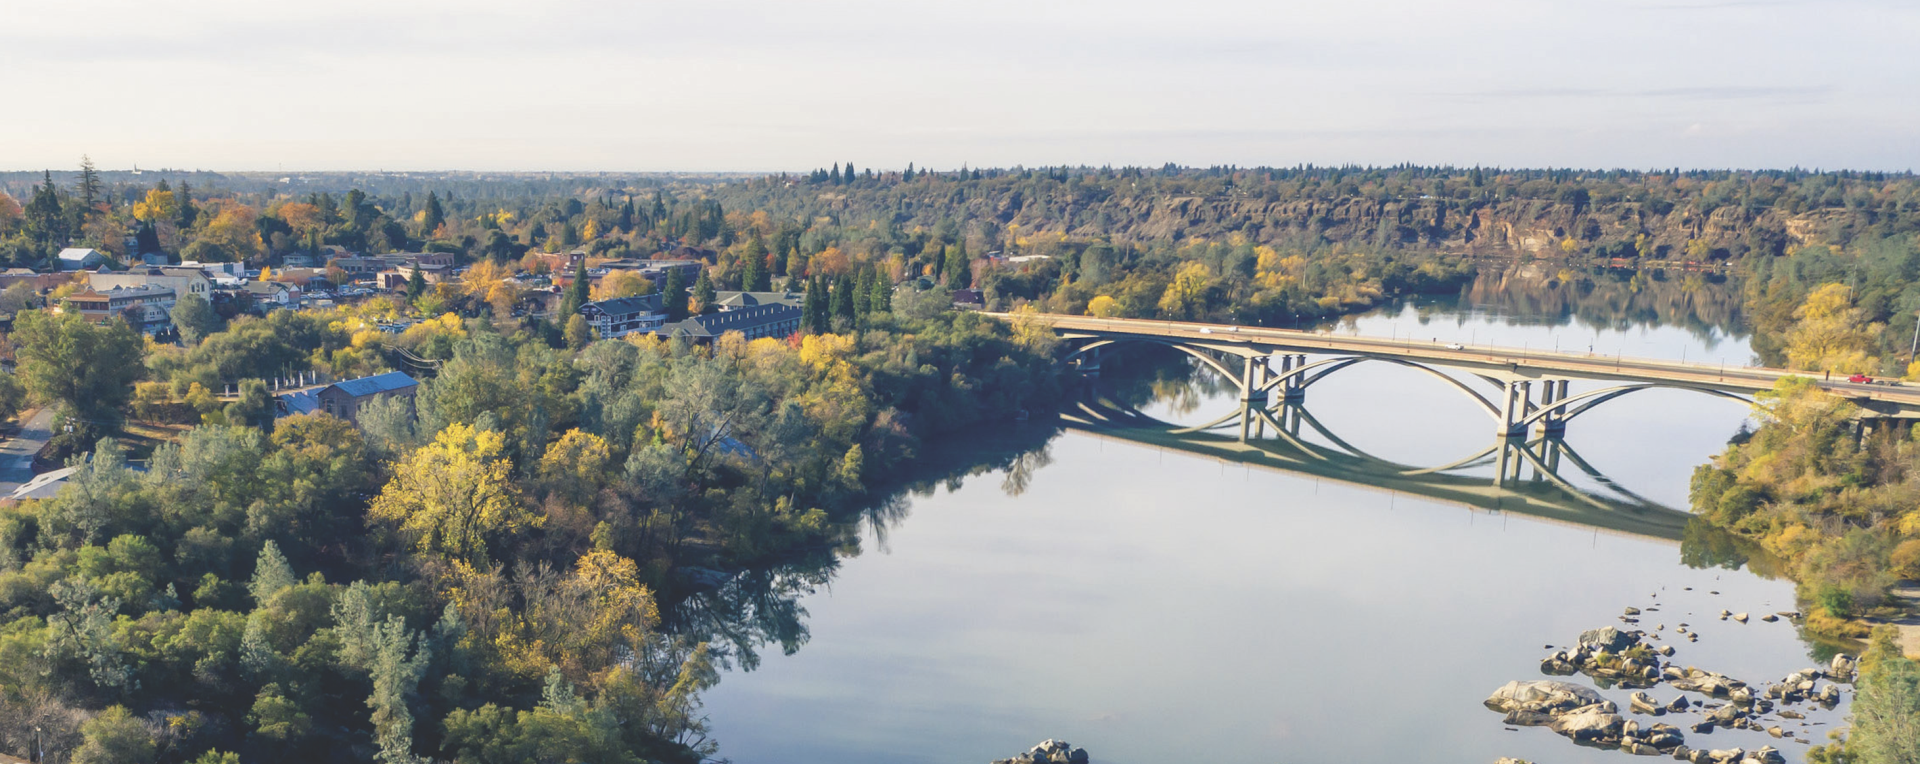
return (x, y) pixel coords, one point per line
(1642, 703)
(1523, 718)
(1607, 638)
(1633, 611)
(1049, 752)
(1510, 760)
(1543, 696)
(1768, 755)
(1678, 705)
(1589, 724)
(1842, 665)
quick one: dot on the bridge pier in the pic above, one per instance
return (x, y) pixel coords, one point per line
(1291, 390)
(1551, 391)
(1516, 401)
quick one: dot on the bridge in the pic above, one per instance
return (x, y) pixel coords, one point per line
(1530, 386)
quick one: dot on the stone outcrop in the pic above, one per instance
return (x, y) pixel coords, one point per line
(1049, 752)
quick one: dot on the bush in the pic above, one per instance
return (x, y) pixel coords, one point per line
(1905, 560)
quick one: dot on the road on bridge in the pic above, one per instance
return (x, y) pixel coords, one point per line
(1252, 341)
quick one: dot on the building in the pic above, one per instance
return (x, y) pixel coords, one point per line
(79, 259)
(755, 322)
(396, 280)
(656, 270)
(358, 266)
(344, 399)
(182, 280)
(727, 301)
(625, 315)
(41, 282)
(145, 308)
(272, 293)
(45, 485)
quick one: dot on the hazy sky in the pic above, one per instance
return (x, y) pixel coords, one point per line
(790, 84)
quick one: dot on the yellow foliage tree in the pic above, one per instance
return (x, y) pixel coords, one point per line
(622, 284)
(1830, 334)
(159, 205)
(487, 281)
(1103, 306)
(574, 465)
(1187, 294)
(454, 494)
(233, 229)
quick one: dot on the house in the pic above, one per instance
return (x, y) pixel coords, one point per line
(656, 270)
(40, 281)
(79, 259)
(758, 321)
(272, 293)
(344, 399)
(144, 307)
(969, 299)
(182, 280)
(727, 301)
(396, 280)
(625, 315)
(356, 266)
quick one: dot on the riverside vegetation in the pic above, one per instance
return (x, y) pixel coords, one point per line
(477, 584)
(1828, 262)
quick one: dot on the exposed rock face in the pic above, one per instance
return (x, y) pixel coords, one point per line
(1049, 752)
(1607, 638)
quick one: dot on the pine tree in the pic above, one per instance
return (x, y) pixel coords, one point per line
(416, 285)
(89, 185)
(881, 300)
(959, 268)
(626, 215)
(814, 309)
(434, 217)
(703, 292)
(188, 212)
(676, 294)
(45, 219)
(836, 174)
(907, 177)
(863, 293)
(842, 300)
(577, 292)
(271, 573)
(751, 271)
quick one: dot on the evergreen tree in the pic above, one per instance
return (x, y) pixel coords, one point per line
(188, 212)
(90, 190)
(676, 294)
(842, 300)
(835, 176)
(863, 293)
(626, 216)
(271, 573)
(959, 268)
(146, 239)
(416, 285)
(881, 300)
(703, 292)
(577, 292)
(659, 208)
(435, 216)
(814, 309)
(907, 177)
(45, 220)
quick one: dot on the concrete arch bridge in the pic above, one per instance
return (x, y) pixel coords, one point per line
(1529, 387)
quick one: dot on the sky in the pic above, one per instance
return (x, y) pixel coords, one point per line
(772, 85)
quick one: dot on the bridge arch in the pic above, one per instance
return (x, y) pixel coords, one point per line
(1320, 369)
(1587, 401)
(1210, 361)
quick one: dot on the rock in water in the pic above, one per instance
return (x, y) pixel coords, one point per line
(1542, 696)
(1590, 723)
(1049, 752)
(1607, 638)
(1510, 760)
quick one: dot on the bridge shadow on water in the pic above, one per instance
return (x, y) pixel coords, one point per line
(1529, 475)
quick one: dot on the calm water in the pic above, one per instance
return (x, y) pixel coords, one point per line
(1154, 605)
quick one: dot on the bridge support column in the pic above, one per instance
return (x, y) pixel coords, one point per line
(1253, 380)
(1515, 400)
(1552, 391)
(1089, 362)
(1291, 390)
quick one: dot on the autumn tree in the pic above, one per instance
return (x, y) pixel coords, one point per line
(454, 495)
(1830, 334)
(86, 368)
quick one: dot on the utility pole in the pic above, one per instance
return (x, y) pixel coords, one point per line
(1916, 338)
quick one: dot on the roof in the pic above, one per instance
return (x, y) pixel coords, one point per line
(297, 402)
(741, 320)
(619, 306)
(77, 254)
(45, 485)
(737, 300)
(391, 381)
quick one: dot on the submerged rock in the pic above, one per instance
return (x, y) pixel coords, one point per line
(1542, 696)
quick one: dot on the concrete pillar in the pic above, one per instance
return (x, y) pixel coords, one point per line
(1551, 393)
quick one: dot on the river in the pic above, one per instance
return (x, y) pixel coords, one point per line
(1153, 604)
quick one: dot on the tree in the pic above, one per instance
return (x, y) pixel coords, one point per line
(114, 737)
(454, 495)
(703, 295)
(959, 267)
(1103, 306)
(577, 332)
(46, 221)
(1187, 294)
(842, 300)
(89, 186)
(675, 295)
(188, 214)
(432, 217)
(1886, 710)
(271, 573)
(813, 308)
(1830, 334)
(577, 292)
(881, 299)
(416, 284)
(18, 297)
(254, 408)
(195, 318)
(86, 368)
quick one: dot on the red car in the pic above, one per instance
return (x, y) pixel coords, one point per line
(1860, 379)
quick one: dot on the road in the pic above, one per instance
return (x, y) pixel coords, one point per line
(1524, 362)
(16, 455)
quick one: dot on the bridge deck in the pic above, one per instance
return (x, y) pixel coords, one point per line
(1523, 363)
